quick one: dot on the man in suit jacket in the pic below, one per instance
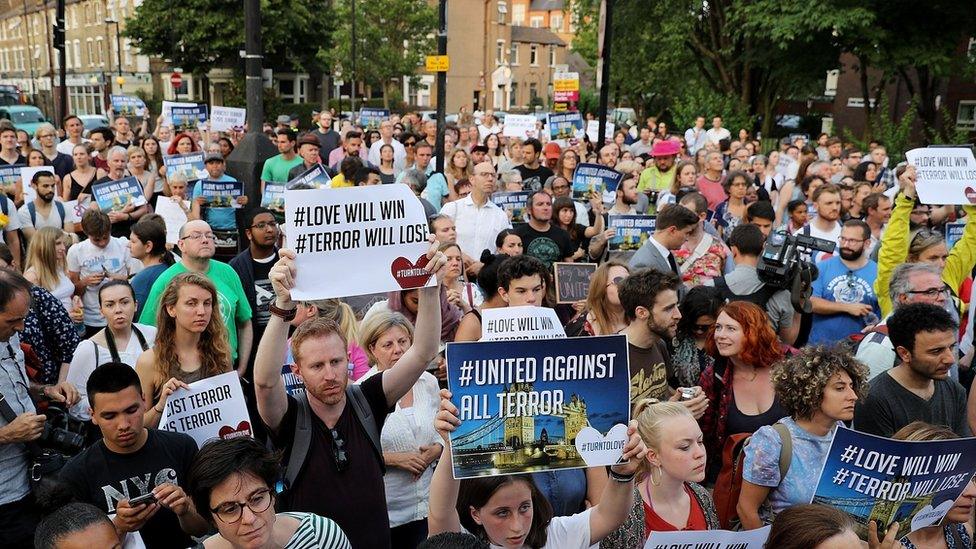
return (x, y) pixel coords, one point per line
(674, 224)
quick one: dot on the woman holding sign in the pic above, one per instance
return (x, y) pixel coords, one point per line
(604, 314)
(509, 510)
(79, 181)
(191, 342)
(818, 387)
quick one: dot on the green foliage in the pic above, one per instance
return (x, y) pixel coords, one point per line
(949, 134)
(589, 101)
(235, 95)
(702, 101)
(895, 134)
(393, 37)
(200, 34)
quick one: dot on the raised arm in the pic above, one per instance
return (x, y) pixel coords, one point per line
(895, 240)
(618, 495)
(397, 381)
(269, 389)
(442, 506)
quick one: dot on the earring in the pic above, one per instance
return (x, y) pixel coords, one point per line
(660, 473)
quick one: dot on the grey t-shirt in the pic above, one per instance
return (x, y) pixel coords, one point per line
(744, 280)
(889, 407)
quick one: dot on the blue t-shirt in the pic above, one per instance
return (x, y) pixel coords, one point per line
(839, 284)
(221, 219)
(142, 283)
(761, 466)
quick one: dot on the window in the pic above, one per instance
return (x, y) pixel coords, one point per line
(127, 51)
(536, 22)
(98, 11)
(77, 46)
(502, 11)
(534, 55)
(966, 117)
(500, 52)
(971, 50)
(533, 92)
(513, 55)
(830, 85)
(556, 22)
(552, 56)
(85, 99)
(100, 48)
(91, 52)
(518, 14)
(514, 96)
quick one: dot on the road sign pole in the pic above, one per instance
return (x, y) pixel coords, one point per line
(441, 85)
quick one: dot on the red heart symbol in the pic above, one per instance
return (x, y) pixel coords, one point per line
(971, 195)
(243, 430)
(410, 275)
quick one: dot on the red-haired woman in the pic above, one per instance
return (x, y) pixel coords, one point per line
(739, 388)
(182, 143)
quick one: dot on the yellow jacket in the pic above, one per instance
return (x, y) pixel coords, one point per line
(894, 251)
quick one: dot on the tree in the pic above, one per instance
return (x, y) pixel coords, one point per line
(198, 35)
(392, 39)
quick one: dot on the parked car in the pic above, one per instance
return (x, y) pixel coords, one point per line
(23, 117)
(92, 121)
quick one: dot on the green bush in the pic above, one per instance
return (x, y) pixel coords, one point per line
(701, 101)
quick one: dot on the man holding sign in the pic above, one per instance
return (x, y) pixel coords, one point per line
(336, 425)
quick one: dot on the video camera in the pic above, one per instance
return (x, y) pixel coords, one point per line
(62, 433)
(785, 263)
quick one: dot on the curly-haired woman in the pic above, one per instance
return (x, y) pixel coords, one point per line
(818, 387)
(739, 386)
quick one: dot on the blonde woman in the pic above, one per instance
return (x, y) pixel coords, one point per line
(47, 267)
(604, 315)
(457, 167)
(191, 342)
(140, 169)
(410, 443)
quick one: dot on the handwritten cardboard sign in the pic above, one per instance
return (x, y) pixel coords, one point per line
(573, 281)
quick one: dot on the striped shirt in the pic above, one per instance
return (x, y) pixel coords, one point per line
(313, 532)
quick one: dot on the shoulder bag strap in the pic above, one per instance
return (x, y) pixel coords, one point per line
(141, 338)
(301, 441)
(786, 450)
(364, 414)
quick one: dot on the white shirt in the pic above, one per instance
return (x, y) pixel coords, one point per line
(694, 143)
(477, 226)
(85, 259)
(406, 430)
(67, 147)
(665, 253)
(13, 218)
(572, 532)
(90, 355)
(399, 153)
(714, 136)
(53, 218)
(833, 235)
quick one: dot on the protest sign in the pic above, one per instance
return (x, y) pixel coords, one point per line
(355, 241)
(787, 166)
(513, 202)
(9, 175)
(313, 178)
(27, 176)
(114, 196)
(632, 231)
(573, 281)
(211, 408)
(953, 233)
(127, 105)
(273, 197)
(593, 129)
(369, 119)
(188, 166)
(710, 539)
(523, 322)
(175, 217)
(227, 119)
(187, 118)
(520, 125)
(875, 478)
(167, 108)
(534, 405)
(590, 178)
(564, 126)
(944, 175)
(221, 194)
(75, 209)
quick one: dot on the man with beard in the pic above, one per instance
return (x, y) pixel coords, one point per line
(43, 211)
(826, 224)
(540, 238)
(330, 434)
(843, 295)
(534, 174)
(623, 204)
(650, 302)
(659, 177)
(877, 209)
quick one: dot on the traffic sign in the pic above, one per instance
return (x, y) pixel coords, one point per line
(176, 79)
(438, 63)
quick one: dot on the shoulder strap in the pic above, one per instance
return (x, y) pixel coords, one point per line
(723, 287)
(60, 207)
(301, 441)
(3, 204)
(805, 230)
(6, 411)
(786, 450)
(360, 406)
(140, 337)
(32, 210)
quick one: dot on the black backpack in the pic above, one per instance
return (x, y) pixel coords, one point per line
(759, 297)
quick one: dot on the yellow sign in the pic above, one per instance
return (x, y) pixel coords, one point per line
(566, 82)
(438, 63)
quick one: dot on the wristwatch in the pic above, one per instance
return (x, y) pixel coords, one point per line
(284, 314)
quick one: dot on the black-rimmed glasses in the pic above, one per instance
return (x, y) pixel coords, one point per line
(231, 511)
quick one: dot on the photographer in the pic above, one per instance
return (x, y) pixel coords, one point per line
(743, 283)
(19, 421)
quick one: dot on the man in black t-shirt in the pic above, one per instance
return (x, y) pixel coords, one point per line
(344, 481)
(132, 461)
(540, 238)
(253, 266)
(534, 174)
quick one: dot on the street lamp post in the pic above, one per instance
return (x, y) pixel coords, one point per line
(118, 52)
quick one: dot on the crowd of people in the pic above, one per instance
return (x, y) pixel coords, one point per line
(102, 320)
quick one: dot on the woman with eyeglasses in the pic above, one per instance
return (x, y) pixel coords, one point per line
(698, 312)
(730, 213)
(898, 245)
(410, 444)
(191, 342)
(818, 387)
(232, 485)
(603, 315)
(409, 141)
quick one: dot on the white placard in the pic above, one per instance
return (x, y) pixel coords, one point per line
(167, 106)
(712, 539)
(75, 209)
(523, 322)
(225, 119)
(520, 125)
(211, 408)
(173, 215)
(944, 175)
(593, 129)
(27, 175)
(356, 241)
